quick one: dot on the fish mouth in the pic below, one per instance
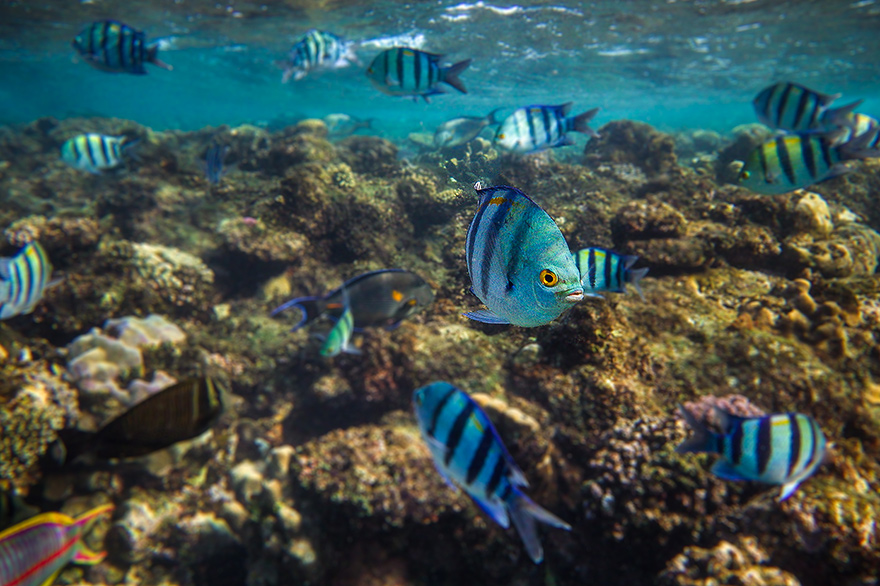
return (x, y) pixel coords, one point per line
(574, 296)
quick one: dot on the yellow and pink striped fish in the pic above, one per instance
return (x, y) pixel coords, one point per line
(33, 552)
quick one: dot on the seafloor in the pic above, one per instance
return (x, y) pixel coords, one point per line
(318, 476)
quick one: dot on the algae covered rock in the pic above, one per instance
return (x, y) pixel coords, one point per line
(634, 143)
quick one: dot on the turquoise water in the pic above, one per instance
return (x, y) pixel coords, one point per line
(687, 64)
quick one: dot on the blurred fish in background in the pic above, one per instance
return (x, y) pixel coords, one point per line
(401, 71)
(535, 128)
(95, 153)
(213, 164)
(340, 125)
(315, 51)
(459, 131)
(115, 47)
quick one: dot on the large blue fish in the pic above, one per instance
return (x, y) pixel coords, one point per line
(401, 71)
(784, 449)
(519, 263)
(23, 280)
(468, 452)
(115, 47)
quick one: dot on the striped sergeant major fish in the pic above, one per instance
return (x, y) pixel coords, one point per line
(795, 108)
(790, 162)
(24, 279)
(605, 270)
(339, 338)
(95, 152)
(115, 47)
(518, 260)
(401, 71)
(535, 128)
(317, 50)
(857, 125)
(35, 551)
(468, 452)
(782, 449)
(177, 413)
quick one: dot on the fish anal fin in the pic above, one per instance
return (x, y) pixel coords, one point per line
(485, 316)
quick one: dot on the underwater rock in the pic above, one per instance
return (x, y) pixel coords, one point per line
(174, 276)
(306, 142)
(851, 249)
(635, 143)
(253, 238)
(746, 138)
(34, 403)
(643, 220)
(369, 155)
(70, 234)
(744, 563)
(812, 216)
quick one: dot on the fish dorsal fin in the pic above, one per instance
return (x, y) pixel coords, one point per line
(565, 108)
(727, 421)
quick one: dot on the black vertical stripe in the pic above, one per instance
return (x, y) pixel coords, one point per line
(433, 68)
(506, 493)
(17, 287)
(124, 40)
(417, 69)
(89, 151)
(808, 155)
(104, 42)
(136, 52)
(76, 152)
(764, 445)
(813, 442)
(801, 109)
(814, 114)
(435, 416)
(457, 431)
(108, 160)
(387, 62)
(736, 444)
(497, 474)
(546, 116)
(762, 158)
(782, 103)
(400, 67)
(493, 226)
(531, 120)
(92, 30)
(607, 268)
(479, 459)
(826, 153)
(472, 234)
(794, 450)
(591, 268)
(785, 159)
(514, 258)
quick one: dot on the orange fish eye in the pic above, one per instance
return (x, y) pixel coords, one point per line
(548, 278)
(745, 175)
(501, 136)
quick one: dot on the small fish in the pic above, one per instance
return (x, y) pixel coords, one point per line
(340, 125)
(95, 152)
(535, 128)
(24, 279)
(795, 108)
(857, 125)
(115, 47)
(180, 412)
(378, 299)
(213, 164)
(780, 449)
(459, 131)
(519, 263)
(339, 338)
(605, 270)
(468, 452)
(315, 51)
(402, 71)
(33, 552)
(794, 161)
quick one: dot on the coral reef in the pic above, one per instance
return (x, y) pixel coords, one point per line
(318, 475)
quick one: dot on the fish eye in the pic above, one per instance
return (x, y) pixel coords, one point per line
(745, 175)
(501, 136)
(548, 278)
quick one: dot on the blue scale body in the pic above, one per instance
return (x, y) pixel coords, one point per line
(468, 452)
(783, 449)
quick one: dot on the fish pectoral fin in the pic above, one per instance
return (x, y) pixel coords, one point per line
(391, 82)
(724, 469)
(485, 316)
(788, 489)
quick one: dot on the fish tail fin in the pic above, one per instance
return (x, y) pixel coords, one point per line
(153, 57)
(492, 119)
(450, 75)
(70, 445)
(633, 276)
(841, 116)
(524, 513)
(579, 123)
(84, 555)
(864, 146)
(129, 147)
(311, 307)
(703, 440)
